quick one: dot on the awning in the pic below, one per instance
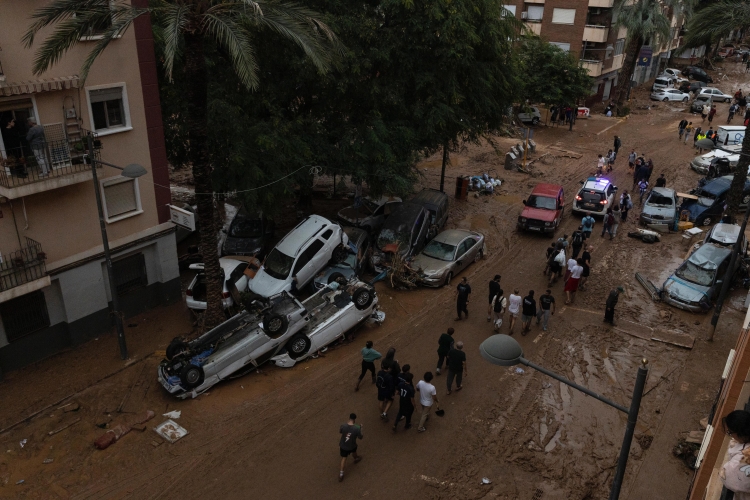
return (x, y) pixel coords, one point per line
(36, 86)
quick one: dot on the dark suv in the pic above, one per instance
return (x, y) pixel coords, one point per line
(692, 87)
(696, 73)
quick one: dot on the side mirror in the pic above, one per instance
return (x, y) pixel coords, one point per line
(524, 202)
(614, 188)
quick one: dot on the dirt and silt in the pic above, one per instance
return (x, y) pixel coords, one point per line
(274, 434)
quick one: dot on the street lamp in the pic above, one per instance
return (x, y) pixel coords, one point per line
(503, 350)
(131, 171)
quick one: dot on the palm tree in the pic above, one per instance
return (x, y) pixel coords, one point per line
(645, 21)
(184, 28)
(715, 21)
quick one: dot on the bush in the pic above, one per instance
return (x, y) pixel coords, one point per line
(623, 111)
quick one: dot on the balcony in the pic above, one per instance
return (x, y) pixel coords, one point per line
(604, 4)
(594, 67)
(534, 26)
(597, 34)
(617, 62)
(23, 266)
(622, 33)
(25, 171)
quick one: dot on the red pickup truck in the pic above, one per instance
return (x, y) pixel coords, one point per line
(543, 210)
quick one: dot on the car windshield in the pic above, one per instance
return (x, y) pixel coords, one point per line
(706, 199)
(689, 271)
(439, 250)
(542, 202)
(391, 237)
(657, 199)
(278, 264)
(245, 227)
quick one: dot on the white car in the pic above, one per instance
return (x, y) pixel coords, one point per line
(236, 274)
(716, 94)
(303, 253)
(701, 163)
(669, 95)
(672, 72)
(530, 115)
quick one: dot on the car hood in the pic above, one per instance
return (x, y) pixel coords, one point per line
(353, 214)
(428, 265)
(244, 245)
(666, 212)
(694, 208)
(539, 214)
(685, 291)
(266, 285)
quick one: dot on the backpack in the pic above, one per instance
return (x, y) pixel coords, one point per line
(380, 382)
(577, 238)
(610, 220)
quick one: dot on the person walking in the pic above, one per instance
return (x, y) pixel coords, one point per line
(576, 241)
(562, 242)
(445, 344)
(36, 140)
(617, 214)
(732, 110)
(568, 266)
(601, 162)
(681, 128)
(661, 181)
(607, 224)
(697, 134)
(456, 367)
(587, 225)
(642, 173)
(514, 307)
(611, 160)
(642, 188)
(528, 312)
(463, 290)
(427, 397)
(386, 388)
(609, 310)
(617, 144)
(369, 356)
(704, 112)
(406, 402)
(557, 266)
(688, 132)
(626, 203)
(631, 160)
(571, 286)
(350, 432)
(499, 303)
(586, 264)
(494, 288)
(546, 308)
(550, 253)
(711, 114)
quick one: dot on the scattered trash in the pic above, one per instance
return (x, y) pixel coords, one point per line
(20, 481)
(486, 480)
(520, 370)
(173, 414)
(48, 461)
(23, 442)
(171, 431)
(645, 235)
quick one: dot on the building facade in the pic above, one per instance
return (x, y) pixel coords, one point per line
(586, 28)
(54, 290)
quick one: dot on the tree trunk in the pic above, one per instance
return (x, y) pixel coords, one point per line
(446, 160)
(626, 73)
(197, 95)
(736, 189)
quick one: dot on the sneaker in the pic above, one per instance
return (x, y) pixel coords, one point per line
(437, 370)
(421, 429)
(384, 416)
(393, 428)
(448, 393)
(341, 476)
(489, 318)
(459, 388)
(356, 460)
(545, 328)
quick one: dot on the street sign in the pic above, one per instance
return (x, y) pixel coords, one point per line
(182, 217)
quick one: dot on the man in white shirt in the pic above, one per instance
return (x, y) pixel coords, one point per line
(514, 308)
(427, 396)
(571, 286)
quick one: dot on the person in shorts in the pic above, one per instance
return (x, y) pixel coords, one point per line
(514, 308)
(546, 309)
(427, 397)
(406, 401)
(528, 311)
(494, 288)
(385, 384)
(350, 432)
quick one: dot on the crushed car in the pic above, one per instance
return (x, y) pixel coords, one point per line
(449, 253)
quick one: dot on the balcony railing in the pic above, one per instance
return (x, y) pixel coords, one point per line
(22, 266)
(595, 33)
(594, 67)
(22, 165)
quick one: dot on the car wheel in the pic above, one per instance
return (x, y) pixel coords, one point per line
(535, 121)
(339, 254)
(478, 256)
(298, 346)
(684, 99)
(665, 99)
(746, 199)
(362, 298)
(704, 221)
(727, 100)
(334, 276)
(448, 279)
(177, 346)
(275, 324)
(191, 376)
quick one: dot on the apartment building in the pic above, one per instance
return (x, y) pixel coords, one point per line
(585, 28)
(54, 290)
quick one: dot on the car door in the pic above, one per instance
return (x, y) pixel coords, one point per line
(302, 267)
(462, 254)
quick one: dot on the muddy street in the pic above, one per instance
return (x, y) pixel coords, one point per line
(273, 433)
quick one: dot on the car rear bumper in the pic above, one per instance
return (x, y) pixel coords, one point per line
(594, 211)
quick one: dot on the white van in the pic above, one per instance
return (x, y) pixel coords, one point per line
(663, 82)
(730, 134)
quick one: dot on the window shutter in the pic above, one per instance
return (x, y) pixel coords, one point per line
(105, 94)
(535, 12)
(563, 16)
(120, 198)
(510, 8)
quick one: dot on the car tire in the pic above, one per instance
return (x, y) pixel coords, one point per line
(535, 121)
(479, 256)
(704, 221)
(334, 276)
(298, 346)
(362, 298)
(177, 346)
(745, 199)
(666, 99)
(684, 99)
(727, 100)
(339, 255)
(448, 279)
(192, 376)
(275, 324)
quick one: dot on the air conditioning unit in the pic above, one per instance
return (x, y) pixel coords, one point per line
(524, 15)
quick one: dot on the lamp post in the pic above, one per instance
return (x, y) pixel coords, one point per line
(131, 171)
(503, 350)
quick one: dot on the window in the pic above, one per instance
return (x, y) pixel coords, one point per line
(563, 46)
(121, 198)
(466, 246)
(327, 234)
(563, 16)
(619, 46)
(534, 13)
(130, 273)
(24, 315)
(307, 255)
(510, 8)
(108, 109)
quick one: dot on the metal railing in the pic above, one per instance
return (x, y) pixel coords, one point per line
(25, 164)
(22, 266)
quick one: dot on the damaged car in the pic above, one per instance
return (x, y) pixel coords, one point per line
(660, 207)
(449, 253)
(696, 283)
(404, 233)
(370, 213)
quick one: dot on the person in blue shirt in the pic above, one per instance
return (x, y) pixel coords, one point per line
(587, 225)
(369, 355)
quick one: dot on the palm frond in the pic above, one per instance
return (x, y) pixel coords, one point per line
(175, 20)
(234, 38)
(60, 11)
(717, 20)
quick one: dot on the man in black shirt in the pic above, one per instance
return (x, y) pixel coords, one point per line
(445, 344)
(577, 242)
(406, 401)
(494, 288)
(546, 308)
(386, 387)
(528, 311)
(348, 443)
(463, 290)
(456, 366)
(661, 181)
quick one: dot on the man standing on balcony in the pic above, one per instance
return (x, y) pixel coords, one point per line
(35, 138)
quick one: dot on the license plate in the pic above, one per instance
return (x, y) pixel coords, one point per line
(588, 205)
(532, 228)
(165, 384)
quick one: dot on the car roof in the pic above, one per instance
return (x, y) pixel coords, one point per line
(430, 196)
(453, 236)
(664, 191)
(383, 199)
(732, 128)
(718, 185)
(404, 213)
(709, 255)
(597, 184)
(725, 234)
(545, 189)
(297, 237)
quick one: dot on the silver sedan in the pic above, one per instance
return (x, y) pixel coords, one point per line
(669, 95)
(448, 254)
